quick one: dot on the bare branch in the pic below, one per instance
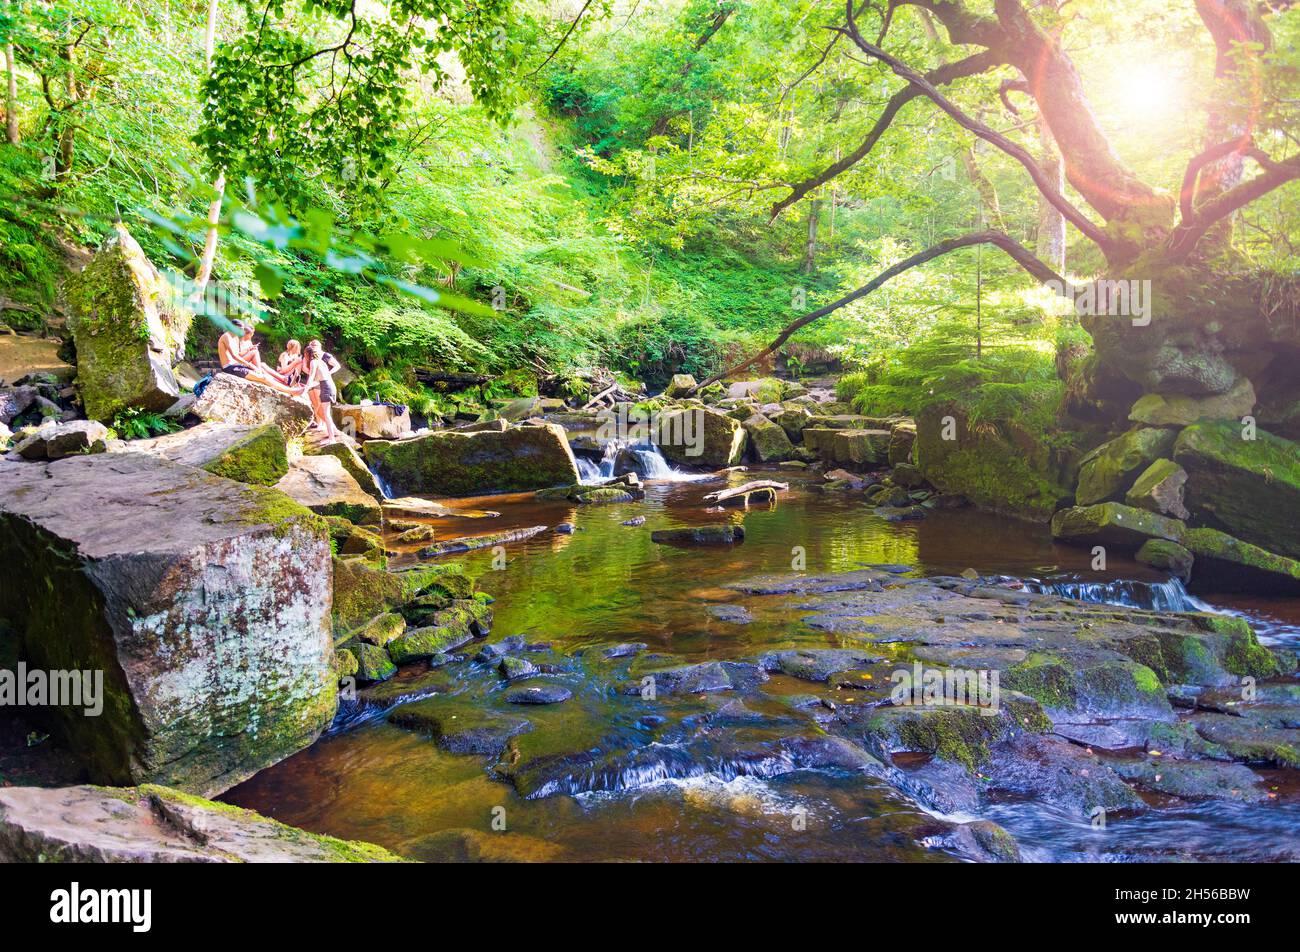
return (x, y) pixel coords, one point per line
(1018, 252)
(970, 66)
(1041, 179)
(564, 39)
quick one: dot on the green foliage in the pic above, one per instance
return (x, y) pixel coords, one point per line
(133, 423)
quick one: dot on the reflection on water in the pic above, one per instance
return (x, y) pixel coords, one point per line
(608, 583)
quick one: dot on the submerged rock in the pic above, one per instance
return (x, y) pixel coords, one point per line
(700, 535)
(540, 694)
(462, 464)
(205, 601)
(155, 824)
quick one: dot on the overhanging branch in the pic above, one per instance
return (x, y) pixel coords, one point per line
(1018, 253)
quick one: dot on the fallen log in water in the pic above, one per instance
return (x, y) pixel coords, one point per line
(760, 489)
(466, 543)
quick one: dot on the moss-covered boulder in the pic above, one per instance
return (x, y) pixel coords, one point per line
(681, 385)
(127, 328)
(322, 485)
(246, 454)
(463, 464)
(351, 539)
(1116, 524)
(204, 602)
(373, 661)
(1006, 468)
(381, 629)
(1160, 489)
(1109, 469)
(902, 436)
(1174, 409)
(1224, 563)
(1242, 485)
(699, 436)
(763, 390)
(860, 448)
(362, 590)
(1167, 556)
(768, 440)
(155, 824)
(418, 644)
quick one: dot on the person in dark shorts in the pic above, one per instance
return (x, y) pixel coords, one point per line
(238, 357)
(320, 385)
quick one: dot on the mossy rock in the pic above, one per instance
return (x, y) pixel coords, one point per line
(1109, 469)
(381, 629)
(1241, 485)
(1111, 523)
(418, 644)
(350, 539)
(603, 494)
(960, 734)
(1160, 409)
(1159, 489)
(700, 436)
(1107, 687)
(362, 591)
(257, 455)
(1167, 556)
(768, 440)
(1224, 563)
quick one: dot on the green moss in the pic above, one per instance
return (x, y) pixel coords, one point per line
(260, 458)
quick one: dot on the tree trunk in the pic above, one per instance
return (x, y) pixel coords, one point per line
(219, 186)
(11, 97)
(810, 247)
(1051, 223)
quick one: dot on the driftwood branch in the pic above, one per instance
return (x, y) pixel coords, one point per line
(1018, 252)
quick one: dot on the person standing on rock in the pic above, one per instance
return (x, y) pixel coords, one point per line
(238, 357)
(321, 389)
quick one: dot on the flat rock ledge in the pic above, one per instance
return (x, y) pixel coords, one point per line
(153, 824)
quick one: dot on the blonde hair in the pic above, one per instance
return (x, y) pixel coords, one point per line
(293, 347)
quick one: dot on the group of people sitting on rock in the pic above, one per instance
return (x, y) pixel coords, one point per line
(298, 372)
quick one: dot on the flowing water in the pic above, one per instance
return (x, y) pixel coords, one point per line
(608, 583)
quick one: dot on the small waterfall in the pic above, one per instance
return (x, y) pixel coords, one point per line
(623, 456)
(1166, 596)
(384, 488)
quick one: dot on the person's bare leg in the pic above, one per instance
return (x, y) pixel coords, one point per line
(331, 431)
(265, 381)
(313, 394)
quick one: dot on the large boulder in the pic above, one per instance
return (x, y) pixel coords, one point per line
(346, 453)
(1173, 409)
(699, 436)
(1247, 487)
(373, 421)
(231, 399)
(769, 441)
(1110, 469)
(204, 602)
(863, 448)
(246, 454)
(682, 385)
(154, 824)
(322, 485)
(128, 330)
(466, 464)
(1008, 468)
(1160, 489)
(902, 436)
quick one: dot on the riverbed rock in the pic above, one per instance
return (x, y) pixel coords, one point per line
(346, 453)
(699, 437)
(52, 441)
(520, 458)
(1109, 469)
(429, 641)
(1116, 524)
(374, 421)
(793, 418)
(1194, 780)
(1160, 489)
(373, 661)
(1173, 409)
(246, 454)
(763, 390)
(767, 439)
(128, 329)
(230, 399)
(700, 535)
(1226, 564)
(460, 726)
(539, 694)
(902, 436)
(1167, 556)
(205, 601)
(681, 385)
(1240, 485)
(322, 485)
(156, 824)
(863, 448)
(362, 590)
(15, 401)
